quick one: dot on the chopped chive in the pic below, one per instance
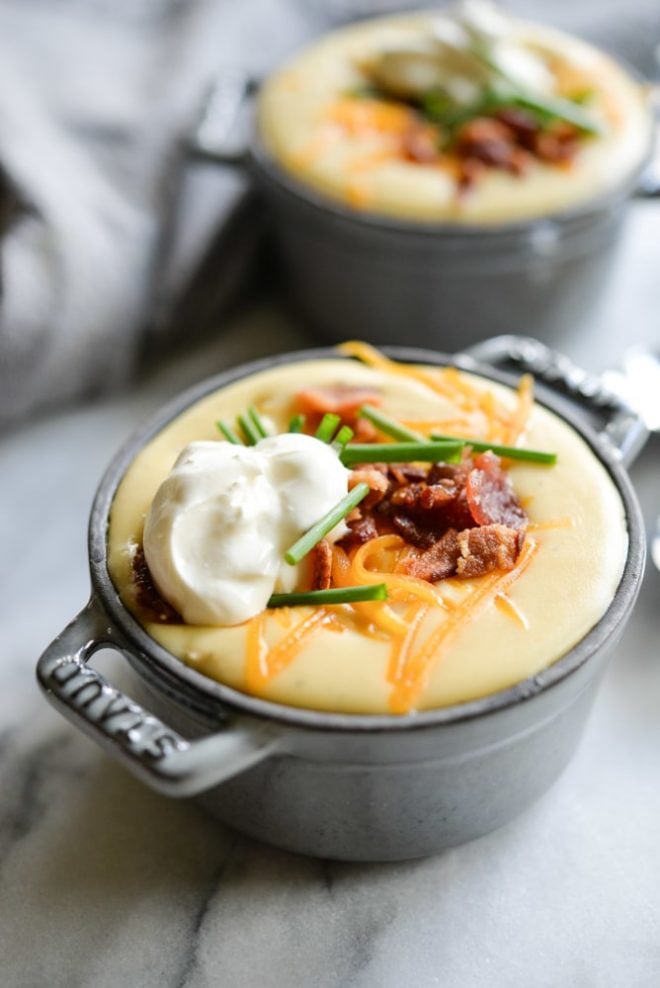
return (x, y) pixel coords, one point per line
(561, 109)
(335, 595)
(297, 423)
(344, 436)
(249, 430)
(326, 429)
(389, 426)
(428, 452)
(228, 433)
(511, 452)
(553, 107)
(325, 524)
(257, 422)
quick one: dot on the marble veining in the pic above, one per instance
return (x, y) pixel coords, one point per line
(105, 884)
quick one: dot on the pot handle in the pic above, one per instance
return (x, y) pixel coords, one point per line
(151, 750)
(221, 134)
(648, 185)
(620, 429)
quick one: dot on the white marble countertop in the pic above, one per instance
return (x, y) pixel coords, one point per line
(103, 883)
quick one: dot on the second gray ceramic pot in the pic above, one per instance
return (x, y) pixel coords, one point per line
(351, 273)
(365, 788)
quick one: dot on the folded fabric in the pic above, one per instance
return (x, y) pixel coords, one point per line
(96, 97)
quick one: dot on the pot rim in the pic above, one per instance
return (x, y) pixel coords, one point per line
(270, 170)
(185, 685)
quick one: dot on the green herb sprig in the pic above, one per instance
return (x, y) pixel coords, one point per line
(404, 452)
(327, 427)
(258, 422)
(344, 436)
(252, 435)
(510, 452)
(228, 433)
(312, 536)
(388, 426)
(297, 423)
(335, 595)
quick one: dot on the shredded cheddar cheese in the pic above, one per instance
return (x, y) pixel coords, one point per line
(419, 667)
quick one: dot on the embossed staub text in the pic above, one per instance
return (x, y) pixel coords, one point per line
(117, 715)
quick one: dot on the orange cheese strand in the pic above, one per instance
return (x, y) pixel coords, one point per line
(255, 646)
(373, 358)
(401, 647)
(264, 665)
(420, 667)
(448, 382)
(519, 418)
(319, 144)
(566, 521)
(507, 606)
(459, 426)
(397, 584)
(373, 613)
(360, 116)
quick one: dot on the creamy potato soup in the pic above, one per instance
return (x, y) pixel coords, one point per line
(491, 567)
(465, 117)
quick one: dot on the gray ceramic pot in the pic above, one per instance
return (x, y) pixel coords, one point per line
(342, 786)
(357, 273)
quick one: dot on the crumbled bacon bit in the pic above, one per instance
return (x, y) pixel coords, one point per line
(421, 144)
(521, 124)
(488, 548)
(425, 497)
(557, 145)
(146, 594)
(486, 139)
(320, 562)
(343, 400)
(437, 562)
(362, 528)
(414, 530)
(375, 476)
(364, 431)
(467, 554)
(402, 473)
(490, 496)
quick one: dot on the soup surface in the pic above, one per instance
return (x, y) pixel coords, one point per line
(452, 119)
(430, 644)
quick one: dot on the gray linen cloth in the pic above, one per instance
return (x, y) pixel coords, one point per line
(95, 98)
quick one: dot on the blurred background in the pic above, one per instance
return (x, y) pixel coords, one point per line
(118, 247)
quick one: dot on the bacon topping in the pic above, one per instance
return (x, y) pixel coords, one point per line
(467, 554)
(343, 400)
(147, 596)
(320, 562)
(435, 563)
(375, 476)
(488, 548)
(362, 528)
(510, 140)
(490, 496)
(340, 400)
(459, 519)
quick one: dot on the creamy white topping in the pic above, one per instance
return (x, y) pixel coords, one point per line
(460, 53)
(216, 531)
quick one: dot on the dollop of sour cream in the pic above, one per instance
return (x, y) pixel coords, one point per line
(220, 522)
(463, 51)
